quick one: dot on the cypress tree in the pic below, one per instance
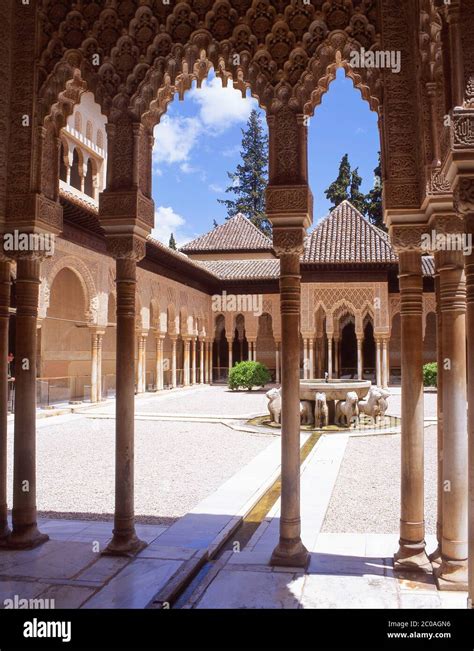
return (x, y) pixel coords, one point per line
(357, 198)
(337, 192)
(172, 242)
(249, 181)
(373, 199)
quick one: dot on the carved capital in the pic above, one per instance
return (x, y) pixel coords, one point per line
(464, 195)
(129, 208)
(288, 241)
(438, 184)
(447, 224)
(407, 238)
(127, 247)
(27, 211)
(289, 202)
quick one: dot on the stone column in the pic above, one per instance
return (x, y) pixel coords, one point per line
(193, 377)
(209, 352)
(159, 362)
(384, 364)
(201, 361)
(311, 358)
(25, 533)
(4, 325)
(359, 358)
(125, 540)
(186, 363)
(330, 357)
(144, 360)
(452, 574)
(378, 362)
(140, 387)
(174, 382)
(305, 360)
(94, 366)
(277, 362)
(336, 358)
(411, 554)
(470, 391)
(229, 345)
(100, 339)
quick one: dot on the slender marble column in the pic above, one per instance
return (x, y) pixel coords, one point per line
(125, 541)
(311, 358)
(229, 345)
(159, 362)
(4, 325)
(186, 363)
(411, 553)
(359, 358)
(336, 357)
(144, 360)
(209, 351)
(290, 551)
(452, 574)
(330, 357)
(378, 363)
(435, 557)
(25, 533)
(305, 360)
(140, 388)
(194, 358)
(94, 362)
(384, 364)
(277, 362)
(201, 361)
(174, 382)
(100, 339)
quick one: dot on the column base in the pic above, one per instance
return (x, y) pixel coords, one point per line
(435, 557)
(411, 557)
(124, 545)
(452, 575)
(290, 552)
(26, 537)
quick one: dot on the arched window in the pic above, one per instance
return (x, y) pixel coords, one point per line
(78, 121)
(89, 130)
(100, 139)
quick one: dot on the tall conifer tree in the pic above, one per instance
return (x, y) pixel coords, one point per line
(249, 181)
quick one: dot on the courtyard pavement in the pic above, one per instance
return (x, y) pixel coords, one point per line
(196, 479)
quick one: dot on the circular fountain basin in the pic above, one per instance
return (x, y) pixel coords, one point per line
(334, 389)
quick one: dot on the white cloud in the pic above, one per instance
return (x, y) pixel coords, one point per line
(214, 187)
(174, 139)
(167, 221)
(221, 108)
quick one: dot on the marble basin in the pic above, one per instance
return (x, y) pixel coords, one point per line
(334, 389)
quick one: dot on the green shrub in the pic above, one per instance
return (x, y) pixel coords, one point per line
(246, 375)
(430, 375)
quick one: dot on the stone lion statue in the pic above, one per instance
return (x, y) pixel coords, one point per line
(321, 412)
(274, 405)
(306, 412)
(376, 403)
(347, 410)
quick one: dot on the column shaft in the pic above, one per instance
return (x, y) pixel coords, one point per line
(193, 378)
(378, 363)
(277, 362)
(290, 551)
(25, 532)
(469, 265)
(311, 358)
(125, 540)
(452, 573)
(330, 357)
(94, 362)
(4, 325)
(411, 553)
(173, 364)
(100, 339)
(186, 363)
(359, 359)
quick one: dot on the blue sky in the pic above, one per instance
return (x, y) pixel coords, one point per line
(199, 140)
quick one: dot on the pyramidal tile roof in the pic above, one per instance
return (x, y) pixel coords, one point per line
(235, 234)
(345, 236)
(243, 269)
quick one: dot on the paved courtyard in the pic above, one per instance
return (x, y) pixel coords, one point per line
(200, 468)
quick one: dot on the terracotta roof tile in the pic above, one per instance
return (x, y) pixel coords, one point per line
(236, 234)
(345, 236)
(243, 269)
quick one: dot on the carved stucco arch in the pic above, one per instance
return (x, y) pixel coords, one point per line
(81, 270)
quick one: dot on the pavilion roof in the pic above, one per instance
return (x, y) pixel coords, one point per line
(235, 234)
(345, 236)
(243, 269)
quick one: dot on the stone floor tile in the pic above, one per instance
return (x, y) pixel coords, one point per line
(66, 596)
(329, 591)
(54, 559)
(104, 568)
(22, 589)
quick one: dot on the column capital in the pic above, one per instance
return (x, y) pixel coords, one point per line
(464, 195)
(288, 240)
(288, 204)
(128, 247)
(408, 237)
